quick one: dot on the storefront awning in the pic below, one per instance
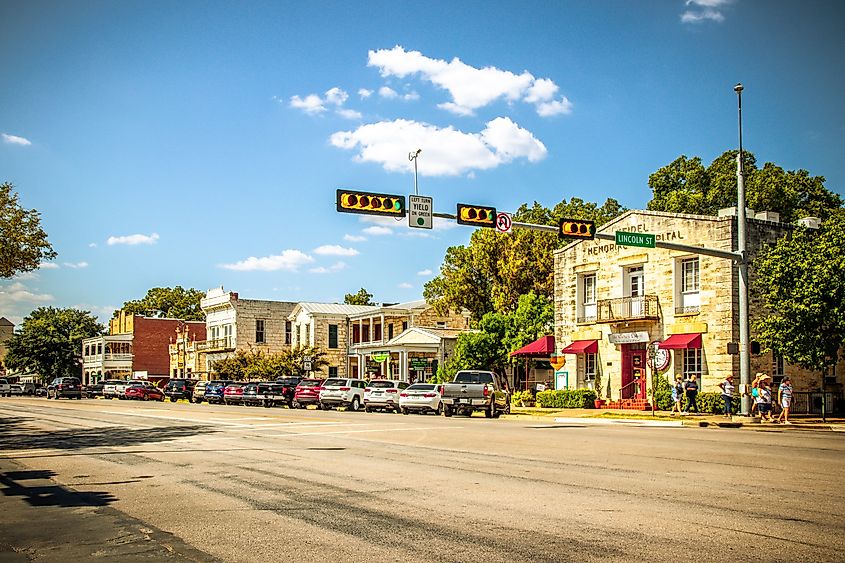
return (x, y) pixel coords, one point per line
(542, 347)
(681, 341)
(582, 347)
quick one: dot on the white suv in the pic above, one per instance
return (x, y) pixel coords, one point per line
(340, 391)
(5, 388)
(383, 394)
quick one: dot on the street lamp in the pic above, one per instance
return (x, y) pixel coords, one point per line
(742, 263)
(412, 156)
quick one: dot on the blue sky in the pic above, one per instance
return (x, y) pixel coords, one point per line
(201, 143)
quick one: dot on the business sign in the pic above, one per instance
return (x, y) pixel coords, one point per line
(644, 240)
(419, 363)
(562, 380)
(379, 356)
(419, 211)
(627, 337)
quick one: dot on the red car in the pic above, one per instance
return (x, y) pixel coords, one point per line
(307, 393)
(233, 394)
(144, 391)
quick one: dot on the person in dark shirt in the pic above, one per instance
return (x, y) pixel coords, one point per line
(691, 389)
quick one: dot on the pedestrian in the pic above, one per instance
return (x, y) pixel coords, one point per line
(755, 391)
(691, 388)
(764, 398)
(785, 399)
(677, 395)
(727, 387)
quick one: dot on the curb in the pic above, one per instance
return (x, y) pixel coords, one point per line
(621, 422)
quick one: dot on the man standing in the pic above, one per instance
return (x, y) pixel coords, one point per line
(785, 399)
(691, 388)
(727, 387)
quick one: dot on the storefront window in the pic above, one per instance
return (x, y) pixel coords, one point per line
(692, 362)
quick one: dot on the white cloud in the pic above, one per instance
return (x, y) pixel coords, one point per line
(426, 272)
(310, 104)
(388, 93)
(289, 260)
(405, 285)
(48, 266)
(470, 87)
(378, 230)
(411, 96)
(16, 293)
(354, 238)
(76, 265)
(336, 267)
(313, 104)
(336, 96)
(704, 10)
(15, 140)
(92, 245)
(335, 250)
(133, 239)
(349, 113)
(364, 93)
(448, 152)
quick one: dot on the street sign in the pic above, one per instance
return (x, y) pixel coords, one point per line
(306, 366)
(644, 240)
(419, 211)
(504, 222)
(557, 362)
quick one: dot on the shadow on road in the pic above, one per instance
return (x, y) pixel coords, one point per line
(50, 494)
(16, 434)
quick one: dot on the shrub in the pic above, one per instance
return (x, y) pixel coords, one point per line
(522, 398)
(567, 399)
(712, 403)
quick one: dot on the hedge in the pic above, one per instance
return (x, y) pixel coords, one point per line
(567, 399)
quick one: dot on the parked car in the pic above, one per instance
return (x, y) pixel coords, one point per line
(94, 390)
(15, 389)
(251, 396)
(143, 391)
(269, 394)
(307, 393)
(383, 394)
(214, 390)
(120, 387)
(30, 388)
(40, 391)
(5, 388)
(69, 387)
(198, 393)
(473, 390)
(288, 388)
(233, 394)
(179, 389)
(421, 397)
(109, 388)
(337, 391)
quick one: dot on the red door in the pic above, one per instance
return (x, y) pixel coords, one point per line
(633, 373)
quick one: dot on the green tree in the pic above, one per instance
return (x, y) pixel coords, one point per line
(251, 365)
(363, 297)
(801, 281)
(49, 342)
(171, 303)
(23, 243)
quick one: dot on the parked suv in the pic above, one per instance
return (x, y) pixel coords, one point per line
(199, 392)
(383, 394)
(179, 389)
(109, 388)
(69, 387)
(307, 393)
(347, 392)
(289, 388)
(214, 390)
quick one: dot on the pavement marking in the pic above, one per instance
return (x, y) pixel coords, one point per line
(621, 422)
(403, 429)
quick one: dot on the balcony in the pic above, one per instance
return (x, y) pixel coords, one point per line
(622, 309)
(226, 344)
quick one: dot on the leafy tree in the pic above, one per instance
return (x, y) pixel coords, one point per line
(686, 186)
(171, 303)
(255, 365)
(23, 243)
(801, 281)
(494, 270)
(49, 342)
(363, 297)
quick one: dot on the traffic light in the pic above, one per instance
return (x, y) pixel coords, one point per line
(577, 228)
(476, 215)
(350, 201)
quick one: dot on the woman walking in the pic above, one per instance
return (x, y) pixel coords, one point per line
(755, 391)
(764, 398)
(677, 394)
(785, 399)
(727, 387)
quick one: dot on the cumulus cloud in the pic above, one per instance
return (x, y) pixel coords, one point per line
(15, 140)
(449, 152)
(314, 104)
(76, 265)
(364, 93)
(704, 10)
(335, 250)
(377, 230)
(15, 293)
(336, 267)
(354, 238)
(310, 104)
(470, 88)
(405, 285)
(426, 272)
(289, 260)
(92, 245)
(349, 113)
(133, 239)
(48, 266)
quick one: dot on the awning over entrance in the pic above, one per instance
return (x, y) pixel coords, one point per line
(582, 347)
(543, 346)
(681, 341)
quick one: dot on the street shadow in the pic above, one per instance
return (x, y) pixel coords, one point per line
(50, 494)
(16, 434)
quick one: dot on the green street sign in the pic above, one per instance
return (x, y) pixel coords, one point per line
(645, 240)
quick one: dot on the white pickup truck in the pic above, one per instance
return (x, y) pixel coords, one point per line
(5, 388)
(475, 390)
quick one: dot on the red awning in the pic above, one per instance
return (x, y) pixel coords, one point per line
(681, 341)
(543, 346)
(582, 347)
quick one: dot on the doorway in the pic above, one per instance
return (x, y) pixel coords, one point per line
(633, 371)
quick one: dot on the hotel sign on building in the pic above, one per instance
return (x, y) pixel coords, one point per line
(614, 302)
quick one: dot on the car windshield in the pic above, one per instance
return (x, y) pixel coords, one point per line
(382, 384)
(421, 387)
(474, 377)
(309, 383)
(334, 383)
(287, 381)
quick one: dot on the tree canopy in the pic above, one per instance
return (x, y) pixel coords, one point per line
(49, 342)
(171, 303)
(494, 270)
(801, 281)
(687, 186)
(363, 297)
(247, 365)
(23, 243)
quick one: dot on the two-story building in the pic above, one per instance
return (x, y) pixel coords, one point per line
(7, 329)
(614, 303)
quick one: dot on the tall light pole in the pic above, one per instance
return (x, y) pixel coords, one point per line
(412, 156)
(742, 232)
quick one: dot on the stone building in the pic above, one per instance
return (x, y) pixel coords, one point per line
(7, 329)
(613, 303)
(186, 360)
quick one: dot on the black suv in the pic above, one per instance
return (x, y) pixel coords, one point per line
(94, 390)
(69, 387)
(180, 389)
(288, 388)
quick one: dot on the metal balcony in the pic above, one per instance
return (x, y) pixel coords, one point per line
(622, 309)
(216, 345)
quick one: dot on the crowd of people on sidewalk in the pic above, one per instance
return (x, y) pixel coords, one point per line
(761, 395)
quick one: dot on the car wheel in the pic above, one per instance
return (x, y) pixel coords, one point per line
(294, 404)
(367, 409)
(172, 399)
(356, 404)
(439, 409)
(319, 406)
(491, 410)
(447, 410)
(404, 411)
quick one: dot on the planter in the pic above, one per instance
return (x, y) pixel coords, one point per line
(599, 403)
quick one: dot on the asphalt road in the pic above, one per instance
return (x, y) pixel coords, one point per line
(124, 481)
